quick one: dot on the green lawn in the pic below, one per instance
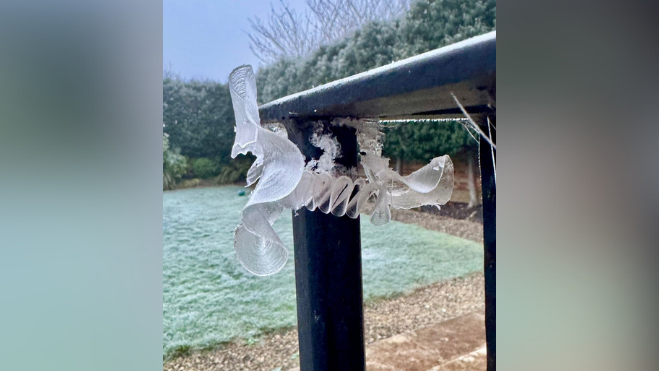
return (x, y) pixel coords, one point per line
(209, 298)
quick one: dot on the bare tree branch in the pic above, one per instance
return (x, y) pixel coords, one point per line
(287, 33)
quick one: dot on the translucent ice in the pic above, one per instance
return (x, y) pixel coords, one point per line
(285, 181)
(278, 169)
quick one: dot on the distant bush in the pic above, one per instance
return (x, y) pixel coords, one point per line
(235, 171)
(189, 183)
(204, 168)
(173, 165)
(198, 117)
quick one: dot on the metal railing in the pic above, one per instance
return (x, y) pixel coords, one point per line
(328, 248)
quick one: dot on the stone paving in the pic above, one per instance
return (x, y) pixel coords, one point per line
(454, 345)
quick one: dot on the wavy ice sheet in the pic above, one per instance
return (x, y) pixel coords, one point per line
(278, 169)
(286, 182)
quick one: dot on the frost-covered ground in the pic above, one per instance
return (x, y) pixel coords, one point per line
(209, 298)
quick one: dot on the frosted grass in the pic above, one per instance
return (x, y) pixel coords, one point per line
(209, 298)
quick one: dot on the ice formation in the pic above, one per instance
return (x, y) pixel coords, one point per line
(285, 181)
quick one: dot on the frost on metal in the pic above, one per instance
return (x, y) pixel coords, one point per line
(285, 181)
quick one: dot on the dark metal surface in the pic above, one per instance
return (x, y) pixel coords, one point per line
(420, 85)
(328, 274)
(327, 248)
(488, 182)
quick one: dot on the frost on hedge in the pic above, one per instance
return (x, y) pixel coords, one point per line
(285, 181)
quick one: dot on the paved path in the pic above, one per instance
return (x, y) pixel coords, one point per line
(454, 345)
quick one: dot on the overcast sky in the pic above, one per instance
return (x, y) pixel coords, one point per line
(205, 39)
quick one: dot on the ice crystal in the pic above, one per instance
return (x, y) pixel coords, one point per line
(285, 181)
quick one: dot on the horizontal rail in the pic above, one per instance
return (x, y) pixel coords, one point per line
(327, 262)
(420, 86)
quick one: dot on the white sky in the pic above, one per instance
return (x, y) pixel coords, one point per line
(205, 39)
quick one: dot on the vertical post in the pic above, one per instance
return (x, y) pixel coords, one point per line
(488, 181)
(328, 274)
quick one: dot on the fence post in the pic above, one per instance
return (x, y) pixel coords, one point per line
(328, 273)
(488, 183)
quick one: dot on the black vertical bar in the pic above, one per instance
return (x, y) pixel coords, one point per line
(488, 182)
(328, 274)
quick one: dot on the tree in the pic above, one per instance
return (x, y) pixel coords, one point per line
(199, 121)
(198, 117)
(285, 33)
(289, 34)
(427, 25)
(435, 23)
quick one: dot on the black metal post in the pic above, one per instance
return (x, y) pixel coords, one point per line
(489, 186)
(328, 274)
